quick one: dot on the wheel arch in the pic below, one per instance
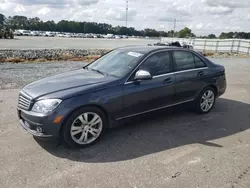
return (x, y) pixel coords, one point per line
(213, 86)
(108, 119)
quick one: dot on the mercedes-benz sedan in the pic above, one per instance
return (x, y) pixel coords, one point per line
(78, 106)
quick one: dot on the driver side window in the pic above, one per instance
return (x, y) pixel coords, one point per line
(157, 64)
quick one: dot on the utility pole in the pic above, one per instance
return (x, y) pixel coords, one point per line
(174, 28)
(126, 13)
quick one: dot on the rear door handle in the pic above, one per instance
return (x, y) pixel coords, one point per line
(200, 73)
(168, 80)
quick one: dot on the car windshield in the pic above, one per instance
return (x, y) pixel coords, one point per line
(116, 63)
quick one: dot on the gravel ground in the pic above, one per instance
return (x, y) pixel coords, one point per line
(174, 148)
(47, 54)
(22, 43)
(16, 75)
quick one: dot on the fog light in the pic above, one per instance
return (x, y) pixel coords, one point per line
(39, 129)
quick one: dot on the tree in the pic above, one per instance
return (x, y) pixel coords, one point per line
(211, 36)
(2, 20)
(186, 32)
(151, 33)
(163, 34)
(34, 23)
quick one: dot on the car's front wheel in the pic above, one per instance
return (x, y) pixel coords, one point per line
(84, 127)
(205, 101)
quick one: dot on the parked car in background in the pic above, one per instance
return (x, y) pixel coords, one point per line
(17, 33)
(60, 35)
(78, 106)
(49, 34)
(41, 33)
(118, 37)
(24, 32)
(109, 36)
(34, 33)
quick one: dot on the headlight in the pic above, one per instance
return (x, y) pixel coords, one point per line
(45, 106)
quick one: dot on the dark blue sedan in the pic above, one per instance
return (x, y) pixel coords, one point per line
(78, 106)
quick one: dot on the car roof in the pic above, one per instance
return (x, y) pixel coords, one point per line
(146, 49)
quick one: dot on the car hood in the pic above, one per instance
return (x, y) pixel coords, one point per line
(72, 80)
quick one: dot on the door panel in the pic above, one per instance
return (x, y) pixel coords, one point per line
(145, 95)
(188, 83)
(148, 94)
(189, 74)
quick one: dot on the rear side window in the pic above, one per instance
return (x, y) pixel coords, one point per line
(198, 62)
(183, 60)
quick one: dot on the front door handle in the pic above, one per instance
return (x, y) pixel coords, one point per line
(168, 81)
(200, 73)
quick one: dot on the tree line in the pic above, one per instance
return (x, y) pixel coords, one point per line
(36, 24)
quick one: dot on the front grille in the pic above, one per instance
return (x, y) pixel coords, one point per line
(24, 102)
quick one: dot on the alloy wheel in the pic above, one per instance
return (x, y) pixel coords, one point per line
(207, 100)
(86, 128)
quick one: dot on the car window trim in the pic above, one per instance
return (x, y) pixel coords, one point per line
(172, 73)
(165, 50)
(189, 70)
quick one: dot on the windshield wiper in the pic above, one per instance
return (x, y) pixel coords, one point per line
(96, 70)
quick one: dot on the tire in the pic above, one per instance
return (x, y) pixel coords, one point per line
(77, 126)
(203, 107)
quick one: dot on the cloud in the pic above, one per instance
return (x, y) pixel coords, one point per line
(227, 3)
(19, 9)
(43, 11)
(168, 12)
(56, 3)
(202, 16)
(199, 26)
(119, 14)
(218, 10)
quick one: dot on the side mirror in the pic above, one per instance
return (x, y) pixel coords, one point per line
(142, 75)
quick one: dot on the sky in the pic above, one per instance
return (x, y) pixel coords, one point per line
(202, 16)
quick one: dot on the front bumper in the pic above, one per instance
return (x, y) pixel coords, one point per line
(32, 122)
(33, 132)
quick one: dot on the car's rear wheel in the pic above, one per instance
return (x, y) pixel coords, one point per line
(84, 127)
(206, 100)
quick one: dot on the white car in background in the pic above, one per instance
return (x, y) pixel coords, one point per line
(49, 34)
(24, 32)
(109, 36)
(60, 35)
(118, 37)
(34, 33)
(17, 33)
